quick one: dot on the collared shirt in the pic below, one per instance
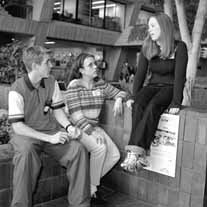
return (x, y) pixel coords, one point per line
(27, 104)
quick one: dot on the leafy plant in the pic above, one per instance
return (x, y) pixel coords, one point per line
(11, 64)
(4, 129)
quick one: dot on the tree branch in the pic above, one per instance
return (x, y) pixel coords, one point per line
(182, 21)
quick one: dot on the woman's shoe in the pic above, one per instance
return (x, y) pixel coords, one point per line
(124, 163)
(97, 200)
(142, 162)
(130, 162)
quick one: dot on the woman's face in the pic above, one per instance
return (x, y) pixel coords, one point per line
(89, 68)
(154, 29)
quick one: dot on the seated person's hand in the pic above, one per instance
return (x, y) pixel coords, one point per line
(99, 137)
(59, 138)
(74, 132)
(173, 110)
(129, 103)
(118, 108)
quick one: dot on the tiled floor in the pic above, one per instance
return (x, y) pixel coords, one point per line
(114, 199)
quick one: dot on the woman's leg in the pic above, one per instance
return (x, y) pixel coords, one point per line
(112, 155)
(155, 108)
(142, 99)
(148, 114)
(97, 157)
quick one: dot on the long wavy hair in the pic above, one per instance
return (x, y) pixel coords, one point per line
(167, 41)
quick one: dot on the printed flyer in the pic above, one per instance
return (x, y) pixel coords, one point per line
(163, 152)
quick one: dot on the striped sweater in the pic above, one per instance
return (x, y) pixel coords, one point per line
(84, 105)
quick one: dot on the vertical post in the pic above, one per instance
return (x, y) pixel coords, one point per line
(104, 20)
(90, 12)
(76, 9)
(63, 5)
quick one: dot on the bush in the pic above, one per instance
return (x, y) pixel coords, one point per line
(4, 128)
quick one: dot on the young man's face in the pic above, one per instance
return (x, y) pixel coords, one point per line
(45, 67)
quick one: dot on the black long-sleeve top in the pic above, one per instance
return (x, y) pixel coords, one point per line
(165, 72)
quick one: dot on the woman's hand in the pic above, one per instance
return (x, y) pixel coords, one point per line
(129, 103)
(74, 132)
(118, 108)
(173, 110)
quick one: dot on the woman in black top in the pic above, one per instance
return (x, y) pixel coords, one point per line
(165, 62)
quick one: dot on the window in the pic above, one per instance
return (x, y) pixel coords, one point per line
(98, 13)
(114, 17)
(64, 10)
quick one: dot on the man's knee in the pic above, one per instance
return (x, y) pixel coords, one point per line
(24, 148)
(78, 149)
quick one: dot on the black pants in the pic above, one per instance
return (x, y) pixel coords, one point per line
(149, 104)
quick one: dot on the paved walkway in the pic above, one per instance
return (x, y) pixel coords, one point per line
(114, 199)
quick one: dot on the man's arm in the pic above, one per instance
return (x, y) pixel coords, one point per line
(22, 129)
(63, 121)
(61, 117)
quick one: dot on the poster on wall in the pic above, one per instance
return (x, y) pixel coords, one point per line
(163, 153)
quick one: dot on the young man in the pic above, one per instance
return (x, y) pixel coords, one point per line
(35, 108)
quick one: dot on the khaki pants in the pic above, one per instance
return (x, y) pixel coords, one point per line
(27, 163)
(103, 157)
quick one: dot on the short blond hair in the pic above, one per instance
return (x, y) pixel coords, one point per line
(34, 54)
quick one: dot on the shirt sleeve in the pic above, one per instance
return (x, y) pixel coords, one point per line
(181, 60)
(113, 92)
(15, 107)
(57, 98)
(74, 108)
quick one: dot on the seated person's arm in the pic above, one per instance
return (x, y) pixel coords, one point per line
(22, 129)
(57, 104)
(74, 106)
(118, 95)
(16, 117)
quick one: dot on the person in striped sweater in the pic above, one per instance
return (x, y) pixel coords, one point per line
(85, 97)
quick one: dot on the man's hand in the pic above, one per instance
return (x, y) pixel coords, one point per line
(99, 138)
(118, 108)
(74, 132)
(59, 138)
(129, 103)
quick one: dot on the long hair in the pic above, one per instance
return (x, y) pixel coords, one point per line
(78, 63)
(150, 47)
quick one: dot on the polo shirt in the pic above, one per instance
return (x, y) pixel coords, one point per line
(27, 104)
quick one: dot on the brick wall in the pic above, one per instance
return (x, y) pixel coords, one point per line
(52, 182)
(188, 186)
